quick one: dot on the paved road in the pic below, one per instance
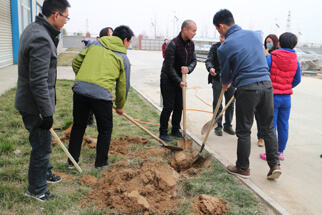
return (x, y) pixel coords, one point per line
(299, 190)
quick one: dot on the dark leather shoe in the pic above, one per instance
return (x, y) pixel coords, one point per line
(274, 172)
(177, 134)
(165, 137)
(229, 130)
(237, 171)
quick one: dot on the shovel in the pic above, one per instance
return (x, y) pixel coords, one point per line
(211, 123)
(174, 148)
(206, 126)
(65, 150)
(185, 144)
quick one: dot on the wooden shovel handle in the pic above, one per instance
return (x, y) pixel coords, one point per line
(213, 119)
(184, 103)
(206, 126)
(144, 129)
(65, 150)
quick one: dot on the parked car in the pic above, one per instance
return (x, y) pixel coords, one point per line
(314, 54)
(205, 47)
(197, 47)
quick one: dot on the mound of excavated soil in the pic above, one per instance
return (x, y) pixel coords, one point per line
(145, 188)
(207, 204)
(88, 180)
(148, 187)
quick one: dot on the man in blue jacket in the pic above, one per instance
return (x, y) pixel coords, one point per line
(243, 64)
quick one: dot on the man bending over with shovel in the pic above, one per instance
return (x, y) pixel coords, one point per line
(97, 69)
(180, 57)
(243, 64)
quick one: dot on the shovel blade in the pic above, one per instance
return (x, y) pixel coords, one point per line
(197, 157)
(173, 148)
(205, 128)
(185, 144)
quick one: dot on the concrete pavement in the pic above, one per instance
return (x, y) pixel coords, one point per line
(299, 189)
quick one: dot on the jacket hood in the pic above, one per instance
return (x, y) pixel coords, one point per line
(113, 43)
(284, 58)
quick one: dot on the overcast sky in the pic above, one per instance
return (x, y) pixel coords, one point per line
(164, 17)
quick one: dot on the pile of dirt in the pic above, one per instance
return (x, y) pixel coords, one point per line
(91, 142)
(146, 185)
(207, 204)
(88, 180)
(122, 147)
(146, 188)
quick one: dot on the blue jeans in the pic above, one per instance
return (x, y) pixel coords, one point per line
(282, 110)
(257, 97)
(216, 88)
(39, 166)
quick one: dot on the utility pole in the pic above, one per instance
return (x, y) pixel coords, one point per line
(288, 22)
(175, 19)
(276, 25)
(86, 26)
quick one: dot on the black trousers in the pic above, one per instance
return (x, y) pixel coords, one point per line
(104, 118)
(172, 102)
(250, 98)
(229, 113)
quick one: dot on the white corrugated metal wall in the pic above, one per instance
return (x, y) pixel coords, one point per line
(6, 52)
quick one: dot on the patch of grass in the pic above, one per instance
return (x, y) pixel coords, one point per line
(185, 207)
(115, 159)
(6, 147)
(14, 167)
(134, 162)
(66, 59)
(138, 147)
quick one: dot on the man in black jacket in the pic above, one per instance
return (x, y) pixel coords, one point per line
(36, 96)
(180, 58)
(213, 67)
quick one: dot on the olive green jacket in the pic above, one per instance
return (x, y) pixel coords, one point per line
(100, 66)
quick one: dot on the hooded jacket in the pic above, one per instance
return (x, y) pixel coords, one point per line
(283, 69)
(99, 66)
(37, 68)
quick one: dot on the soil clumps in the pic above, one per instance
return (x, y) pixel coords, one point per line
(148, 187)
(146, 181)
(207, 204)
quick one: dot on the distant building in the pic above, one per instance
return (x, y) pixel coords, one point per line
(15, 15)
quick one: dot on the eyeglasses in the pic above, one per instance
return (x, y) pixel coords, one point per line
(67, 18)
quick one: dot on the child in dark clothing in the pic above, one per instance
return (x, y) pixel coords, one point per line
(285, 74)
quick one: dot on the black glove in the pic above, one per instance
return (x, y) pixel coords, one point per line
(47, 123)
